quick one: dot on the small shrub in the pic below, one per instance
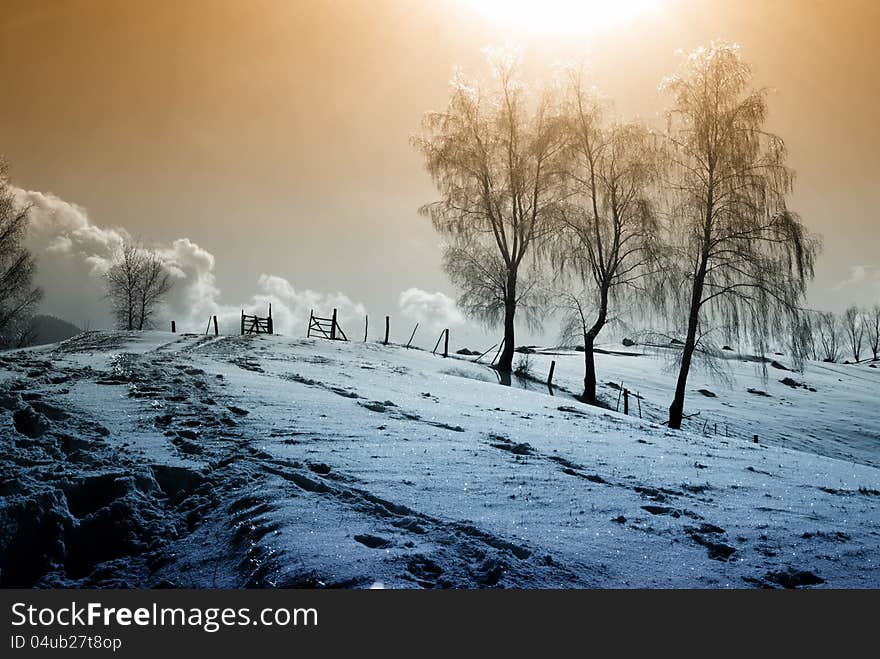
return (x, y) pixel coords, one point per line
(523, 367)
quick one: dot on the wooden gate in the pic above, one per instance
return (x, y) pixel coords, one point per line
(255, 324)
(325, 328)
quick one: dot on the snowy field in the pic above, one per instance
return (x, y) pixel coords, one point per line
(152, 459)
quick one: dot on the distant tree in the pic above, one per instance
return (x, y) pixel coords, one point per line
(25, 336)
(122, 281)
(810, 334)
(155, 283)
(854, 326)
(18, 295)
(740, 260)
(609, 233)
(493, 155)
(872, 329)
(136, 283)
(829, 331)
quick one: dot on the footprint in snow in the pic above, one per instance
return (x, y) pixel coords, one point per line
(373, 541)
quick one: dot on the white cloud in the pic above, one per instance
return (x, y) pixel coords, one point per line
(291, 308)
(62, 228)
(861, 277)
(435, 310)
(194, 296)
(73, 253)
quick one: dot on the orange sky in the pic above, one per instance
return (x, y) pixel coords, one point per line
(277, 131)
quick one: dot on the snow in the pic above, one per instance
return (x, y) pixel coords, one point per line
(838, 419)
(271, 461)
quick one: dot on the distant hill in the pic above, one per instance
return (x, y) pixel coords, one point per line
(49, 329)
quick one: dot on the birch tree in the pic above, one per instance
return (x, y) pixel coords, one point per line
(829, 331)
(609, 232)
(740, 259)
(854, 326)
(494, 155)
(872, 329)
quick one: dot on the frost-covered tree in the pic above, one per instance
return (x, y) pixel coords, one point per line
(872, 329)
(740, 259)
(137, 281)
(18, 295)
(494, 156)
(608, 234)
(155, 283)
(829, 330)
(854, 326)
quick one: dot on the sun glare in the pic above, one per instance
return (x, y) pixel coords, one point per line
(561, 16)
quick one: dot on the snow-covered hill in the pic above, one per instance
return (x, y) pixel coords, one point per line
(152, 459)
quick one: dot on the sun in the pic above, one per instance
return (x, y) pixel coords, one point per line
(562, 16)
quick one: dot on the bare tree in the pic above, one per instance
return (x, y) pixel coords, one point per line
(154, 285)
(872, 329)
(829, 331)
(122, 280)
(854, 326)
(493, 155)
(18, 296)
(26, 334)
(808, 334)
(741, 260)
(609, 233)
(136, 283)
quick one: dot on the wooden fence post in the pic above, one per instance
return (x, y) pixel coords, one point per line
(437, 345)
(756, 439)
(500, 348)
(173, 327)
(387, 325)
(412, 336)
(626, 401)
(366, 326)
(484, 354)
(333, 327)
(242, 321)
(446, 344)
(270, 326)
(311, 315)
(550, 376)
(216, 330)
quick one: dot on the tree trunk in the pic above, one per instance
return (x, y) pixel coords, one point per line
(676, 410)
(589, 370)
(505, 361)
(589, 342)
